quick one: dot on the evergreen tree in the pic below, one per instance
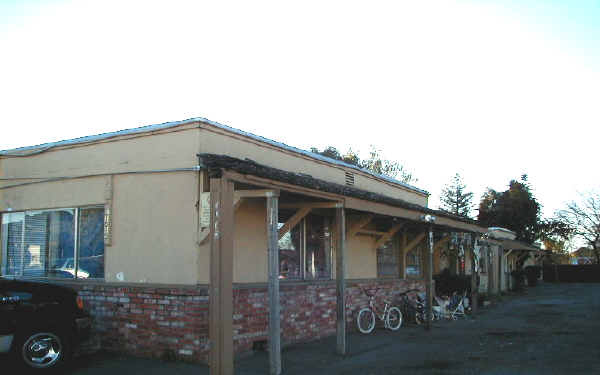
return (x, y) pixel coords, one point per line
(515, 209)
(455, 199)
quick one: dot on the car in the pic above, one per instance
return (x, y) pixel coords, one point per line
(41, 323)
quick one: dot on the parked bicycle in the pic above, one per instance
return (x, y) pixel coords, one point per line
(415, 308)
(391, 315)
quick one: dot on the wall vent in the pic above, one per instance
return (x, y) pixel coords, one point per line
(349, 178)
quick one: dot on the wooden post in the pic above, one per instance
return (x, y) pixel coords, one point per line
(474, 286)
(274, 305)
(221, 277)
(340, 275)
(429, 286)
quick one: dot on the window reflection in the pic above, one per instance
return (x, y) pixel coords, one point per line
(42, 243)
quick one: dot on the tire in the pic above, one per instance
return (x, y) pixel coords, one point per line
(42, 350)
(365, 320)
(419, 318)
(393, 319)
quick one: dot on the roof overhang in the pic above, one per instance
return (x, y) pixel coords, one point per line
(248, 171)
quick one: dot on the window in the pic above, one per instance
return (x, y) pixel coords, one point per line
(413, 262)
(305, 251)
(483, 260)
(387, 260)
(61, 243)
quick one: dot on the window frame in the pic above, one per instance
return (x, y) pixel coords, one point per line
(76, 243)
(303, 241)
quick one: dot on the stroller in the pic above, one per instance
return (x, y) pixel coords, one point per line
(453, 307)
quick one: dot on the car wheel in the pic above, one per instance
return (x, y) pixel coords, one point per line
(42, 349)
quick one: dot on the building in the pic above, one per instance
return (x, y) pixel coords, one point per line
(186, 232)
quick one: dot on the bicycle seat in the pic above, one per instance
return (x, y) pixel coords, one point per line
(370, 292)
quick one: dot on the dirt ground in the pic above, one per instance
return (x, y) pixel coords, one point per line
(552, 329)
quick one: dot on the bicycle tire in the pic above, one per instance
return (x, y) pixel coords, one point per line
(393, 319)
(419, 318)
(365, 320)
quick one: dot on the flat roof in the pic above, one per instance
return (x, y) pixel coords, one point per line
(148, 128)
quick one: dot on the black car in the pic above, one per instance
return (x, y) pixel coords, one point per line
(41, 323)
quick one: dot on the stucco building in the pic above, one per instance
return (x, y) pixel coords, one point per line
(168, 231)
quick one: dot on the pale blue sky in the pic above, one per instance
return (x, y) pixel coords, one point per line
(489, 89)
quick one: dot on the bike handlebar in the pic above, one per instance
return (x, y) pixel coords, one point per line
(408, 291)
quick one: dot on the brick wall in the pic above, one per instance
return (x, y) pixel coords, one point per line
(153, 322)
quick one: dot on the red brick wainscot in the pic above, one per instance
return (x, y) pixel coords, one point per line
(172, 322)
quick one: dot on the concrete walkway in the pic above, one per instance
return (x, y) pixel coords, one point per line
(553, 329)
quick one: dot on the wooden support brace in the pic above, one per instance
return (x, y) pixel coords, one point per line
(389, 234)
(416, 241)
(311, 205)
(369, 232)
(444, 240)
(295, 219)
(239, 195)
(360, 224)
(340, 275)
(221, 277)
(274, 304)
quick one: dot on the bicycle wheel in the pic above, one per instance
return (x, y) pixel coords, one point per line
(419, 317)
(393, 319)
(365, 320)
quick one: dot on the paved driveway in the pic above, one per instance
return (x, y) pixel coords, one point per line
(553, 329)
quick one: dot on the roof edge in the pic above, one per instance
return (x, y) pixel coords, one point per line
(166, 125)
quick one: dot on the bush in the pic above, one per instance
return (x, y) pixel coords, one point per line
(446, 283)
(519, 279)
(533, 273)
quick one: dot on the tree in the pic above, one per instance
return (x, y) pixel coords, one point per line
(378, 164)
(455, 199)
(515, 209)
(375, 162)
(584, 219)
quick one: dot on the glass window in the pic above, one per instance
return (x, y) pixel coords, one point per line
(91, 243)
(387, 260)
(290, 246)
(43, 243)
(305, 251)
(318, 248)
(413, 262)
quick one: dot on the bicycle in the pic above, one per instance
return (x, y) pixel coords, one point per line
(391, 315)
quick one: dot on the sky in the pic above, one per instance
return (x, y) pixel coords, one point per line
(488, 89)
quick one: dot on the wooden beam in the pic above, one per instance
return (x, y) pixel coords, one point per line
(274, 305)
(265, 182)
(239, 195)
(221, 277)
(295, 219)
(311, 205)
(412, 244)
(429, 285)
(371, 232)
(389, 234)
(444, 240)
(405, 213)
(360, 224)
(340, 276)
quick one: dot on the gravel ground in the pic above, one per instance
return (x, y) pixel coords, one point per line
(551, 329)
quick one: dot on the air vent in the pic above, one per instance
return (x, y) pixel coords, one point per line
(349, 178)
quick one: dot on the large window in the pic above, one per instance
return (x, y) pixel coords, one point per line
(305, 251)
(61, 243)
(413, 262)
(387, 260)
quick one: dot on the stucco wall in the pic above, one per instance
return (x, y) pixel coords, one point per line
(361, 257)
(219, 142)
(57, 194)
(250, 242)
(154, 232)
(158, 151)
